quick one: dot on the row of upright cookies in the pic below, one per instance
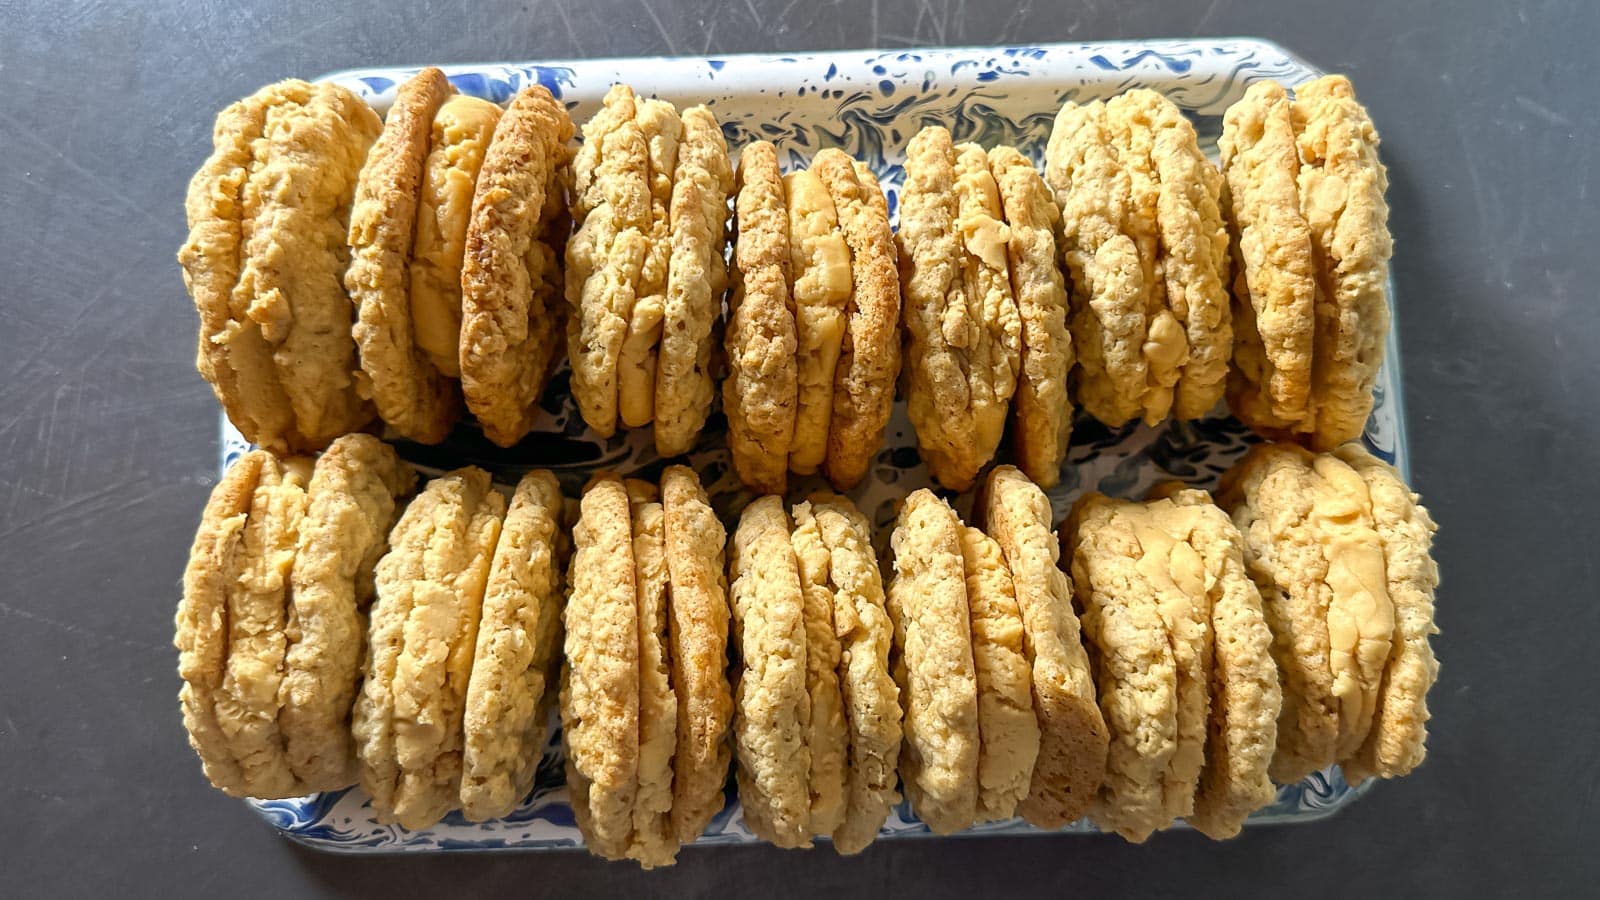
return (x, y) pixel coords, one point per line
(451, 255)
(1159, 660)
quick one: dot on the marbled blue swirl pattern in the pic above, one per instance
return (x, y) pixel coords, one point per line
(868, 103)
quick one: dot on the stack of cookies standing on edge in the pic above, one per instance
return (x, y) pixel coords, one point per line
(1340, 549)
(1143, 242)
(1000, 714)
(813, 341)
(462, 649)
(272, 624)
(645, 269)
(264, 262)
(1311, 238)
(455, 238)
(984, 308)
(1178, 641)
(645, 702)
(816, 726)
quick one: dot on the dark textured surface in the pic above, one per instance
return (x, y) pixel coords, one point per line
(107, 441)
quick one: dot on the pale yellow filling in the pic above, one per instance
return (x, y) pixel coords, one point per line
(820, 262)
(462, 129)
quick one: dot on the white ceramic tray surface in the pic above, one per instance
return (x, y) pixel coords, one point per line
(869, 103)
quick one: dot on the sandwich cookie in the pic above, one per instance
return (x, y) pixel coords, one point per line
(869, 350)
(1042, 410)
(407, 237)
(1071, 762)
(1143, 239)
(511, 312)
(760, 393)
(1312, 548)
(1310, 226)
(963, 345)
(230, 626)
(651, 194)
(408, 719)
(265, 258)
(352, 500)
(1144, 581)
(1244, 695)
(517, 654)
(646, 703)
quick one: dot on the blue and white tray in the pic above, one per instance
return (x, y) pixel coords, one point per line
(869, 103)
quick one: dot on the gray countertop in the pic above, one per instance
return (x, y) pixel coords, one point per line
(107, 440)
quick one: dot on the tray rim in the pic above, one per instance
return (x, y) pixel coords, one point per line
(1400, 451)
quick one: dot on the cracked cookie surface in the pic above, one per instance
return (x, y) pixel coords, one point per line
(759, 394)
(511, 313)
(408, 718)
(512, 686)
(265, 258)
(352, 499)
(410, 394)
(1042, 409)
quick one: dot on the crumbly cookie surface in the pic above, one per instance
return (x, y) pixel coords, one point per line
(696, 279)
(411, 395)
(661, 129)
(771, 708)
(201, 633)
(1311, 547)
(1396, 742)
(1342, 183)
(291, 286)
(1244, 694)
(1072, 731)
(933, 664)
(265, 258)
(352, 500)
(1042, 408)
(600, 678)
(510, 274)
(1270, 383)
(934, 306)
(871, 697)
(759, 393)
(826, 739)
(408, 718)
(699, 613)
(1134, 663)
(869, 355)
(1109, 295)
(510, 690)
(246, 703)
(1008, 730)
(607, 256)
(232, 354)
(1193, 264)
